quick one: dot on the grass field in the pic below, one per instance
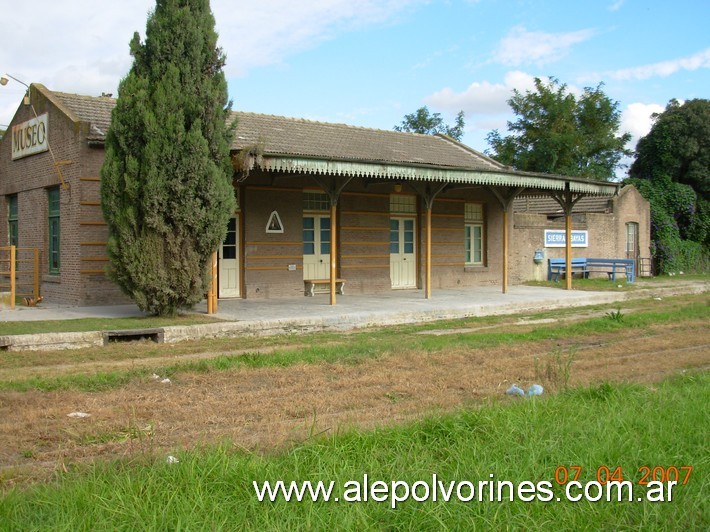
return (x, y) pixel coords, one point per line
(630, 427)
(626, 388)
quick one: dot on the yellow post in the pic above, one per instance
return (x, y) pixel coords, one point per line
(333, 250)
(505, 250)
(428, 251)
(212, 293)
(36, 273)
(568, 250)
(13, 281)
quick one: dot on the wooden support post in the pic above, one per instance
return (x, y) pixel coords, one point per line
(505, 250)
(333, 250)
(568, 250)
(428, 250)
(212, 293)
(506, 197)
(567, 200)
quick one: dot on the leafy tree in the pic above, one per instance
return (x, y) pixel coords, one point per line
(678, 146)
(166, 189)
(421, 121)
(556, 132)
(672, 171)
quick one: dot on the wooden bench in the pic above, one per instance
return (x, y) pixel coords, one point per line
(310, 286)
(611, 267)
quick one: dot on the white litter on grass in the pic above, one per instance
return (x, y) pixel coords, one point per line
(658, 298)
(165, 381)
(171, 460)
(155, 377)
(78, 414)
(515, 390)
(535, 389)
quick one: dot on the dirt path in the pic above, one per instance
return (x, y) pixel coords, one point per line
(267, 408)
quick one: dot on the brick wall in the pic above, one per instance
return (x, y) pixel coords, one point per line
(607, 234)
(272, 263)
(80, 212)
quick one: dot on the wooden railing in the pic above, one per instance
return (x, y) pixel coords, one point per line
(19, 274)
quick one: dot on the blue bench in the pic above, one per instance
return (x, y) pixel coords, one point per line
(557, 266)
(611, 267)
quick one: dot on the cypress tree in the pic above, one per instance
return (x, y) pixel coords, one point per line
(166, 189)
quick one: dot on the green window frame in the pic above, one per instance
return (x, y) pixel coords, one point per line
(12, 221)
(54, 230)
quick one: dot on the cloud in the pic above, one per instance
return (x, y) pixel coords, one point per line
(482, 98)
(523, 47)
(256, 34)
(663, 69)
(637, 120)
(90, 53)
(616, 5)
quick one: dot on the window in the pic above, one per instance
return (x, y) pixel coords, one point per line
(403, 204)
(12, 227)
(474, 234)
(53, 200)
(316, 201)
(316, 235)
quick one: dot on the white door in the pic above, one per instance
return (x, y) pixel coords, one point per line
(403, 263)
(228, 272)
(316, 246)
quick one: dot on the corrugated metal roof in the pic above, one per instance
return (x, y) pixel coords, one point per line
(549, 206)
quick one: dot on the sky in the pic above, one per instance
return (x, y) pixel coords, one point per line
(370, 62)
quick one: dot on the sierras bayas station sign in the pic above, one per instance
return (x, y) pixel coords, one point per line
(30, 137)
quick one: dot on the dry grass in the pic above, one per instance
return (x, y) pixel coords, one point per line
(269, 408)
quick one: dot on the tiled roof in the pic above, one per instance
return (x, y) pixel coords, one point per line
(278, 135)
(549, 206)
(95, 110)
(291, 136)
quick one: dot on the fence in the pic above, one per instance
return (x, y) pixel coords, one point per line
(19, 274)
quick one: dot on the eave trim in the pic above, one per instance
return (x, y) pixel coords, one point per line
(301, 165)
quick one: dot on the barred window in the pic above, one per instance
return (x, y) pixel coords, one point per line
(12, 221)
(54, 241)
(315, 201)
(403, 204)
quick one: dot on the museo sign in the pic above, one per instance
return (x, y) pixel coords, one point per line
(556, 238)
(30, 137)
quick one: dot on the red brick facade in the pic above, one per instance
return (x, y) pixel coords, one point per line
(271, 264)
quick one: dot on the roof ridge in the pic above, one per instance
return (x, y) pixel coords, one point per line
(84, 96)
(323, 123)
(475, 152)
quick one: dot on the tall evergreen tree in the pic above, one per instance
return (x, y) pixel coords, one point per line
(166, 190)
